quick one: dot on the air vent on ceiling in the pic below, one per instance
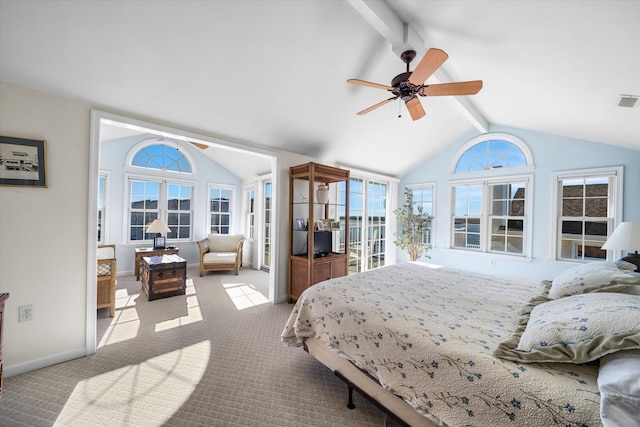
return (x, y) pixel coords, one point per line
(629, 101)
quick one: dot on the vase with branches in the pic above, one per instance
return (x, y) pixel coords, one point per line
(413, 223)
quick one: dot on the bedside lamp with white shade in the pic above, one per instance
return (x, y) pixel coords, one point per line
(626, 237)
(158, 227)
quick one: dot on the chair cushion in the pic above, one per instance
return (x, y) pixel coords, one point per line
(106, 252)
(219, 258)
(224, 242)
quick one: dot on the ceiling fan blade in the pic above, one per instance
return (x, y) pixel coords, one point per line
(364, 83)
(379, 104)
(431, 61)
(458, 88)
(415, 108)
(201, 146)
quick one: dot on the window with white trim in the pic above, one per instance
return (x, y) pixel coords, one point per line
(267, 228)
(491, 154)
(103, 183)
(163, 157)
(588, 205)
(423, 197)
(151, 198)
(220, 202)
(179, 213)
(144, 198)
(490, 211)
(491, 215)
(368, 212)
(249, 200)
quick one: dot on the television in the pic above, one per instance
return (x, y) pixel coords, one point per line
(322, 243)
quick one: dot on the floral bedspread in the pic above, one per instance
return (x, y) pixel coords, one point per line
(428, 335)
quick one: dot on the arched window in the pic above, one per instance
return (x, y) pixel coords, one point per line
(162, 157)
(158, 192)
(491, 200)
(490, 154)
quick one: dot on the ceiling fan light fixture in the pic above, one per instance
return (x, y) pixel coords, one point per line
(628, 101)
(406, 86)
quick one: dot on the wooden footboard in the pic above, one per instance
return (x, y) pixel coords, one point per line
(367, 386)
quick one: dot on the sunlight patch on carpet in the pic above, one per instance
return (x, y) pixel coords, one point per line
(148, 392)
(244, 295)
(125, 324)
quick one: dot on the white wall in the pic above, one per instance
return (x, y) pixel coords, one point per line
(550, 153)
(43, 232)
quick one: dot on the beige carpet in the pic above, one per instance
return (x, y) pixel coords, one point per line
(210, 358)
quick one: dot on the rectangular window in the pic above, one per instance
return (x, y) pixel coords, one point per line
(492, 216)
(266, 247)
(376, 227)
(423, 197)
(507, 218)
(179, 214)
(144, 197)
(467, 216)
(356, 222)
(250, 198)
(220, 199)
(150, 199)
(102, 203)
(367, 223)
(586, 212)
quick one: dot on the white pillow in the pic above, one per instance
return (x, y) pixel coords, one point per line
(619, 385)
(596, 276)
(575, 329)
(624, 265)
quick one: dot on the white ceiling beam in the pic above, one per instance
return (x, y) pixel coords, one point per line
(403, 37)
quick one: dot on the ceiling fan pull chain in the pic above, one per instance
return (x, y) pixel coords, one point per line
(399, 109)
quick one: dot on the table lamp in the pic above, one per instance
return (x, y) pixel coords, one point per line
(158, 226)
(626, 237)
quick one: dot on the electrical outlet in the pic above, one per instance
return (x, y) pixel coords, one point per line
(25, 312)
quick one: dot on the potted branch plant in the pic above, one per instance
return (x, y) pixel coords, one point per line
(413, 223)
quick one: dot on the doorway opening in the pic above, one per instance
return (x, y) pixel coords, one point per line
(245, 162)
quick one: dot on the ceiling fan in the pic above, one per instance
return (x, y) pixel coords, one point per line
(408, 85)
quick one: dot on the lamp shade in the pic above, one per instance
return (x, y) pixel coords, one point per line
(625, 237)
(158, 226)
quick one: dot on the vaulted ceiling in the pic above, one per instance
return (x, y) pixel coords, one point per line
(274, 72)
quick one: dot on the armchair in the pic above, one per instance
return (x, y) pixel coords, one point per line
(221, 252)
(106, 292)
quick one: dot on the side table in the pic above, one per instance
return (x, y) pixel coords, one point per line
(140, 252)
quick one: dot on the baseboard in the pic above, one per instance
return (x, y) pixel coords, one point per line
(21, 368)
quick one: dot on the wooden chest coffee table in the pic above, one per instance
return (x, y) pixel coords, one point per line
(163, 276)
(140, 252)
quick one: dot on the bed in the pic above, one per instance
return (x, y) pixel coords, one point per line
(443, 347)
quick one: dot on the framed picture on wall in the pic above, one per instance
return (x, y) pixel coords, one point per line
(23, 162)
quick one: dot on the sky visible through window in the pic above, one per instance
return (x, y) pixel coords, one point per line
(163, 157)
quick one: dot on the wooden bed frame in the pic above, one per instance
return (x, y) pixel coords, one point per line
(359, 380)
